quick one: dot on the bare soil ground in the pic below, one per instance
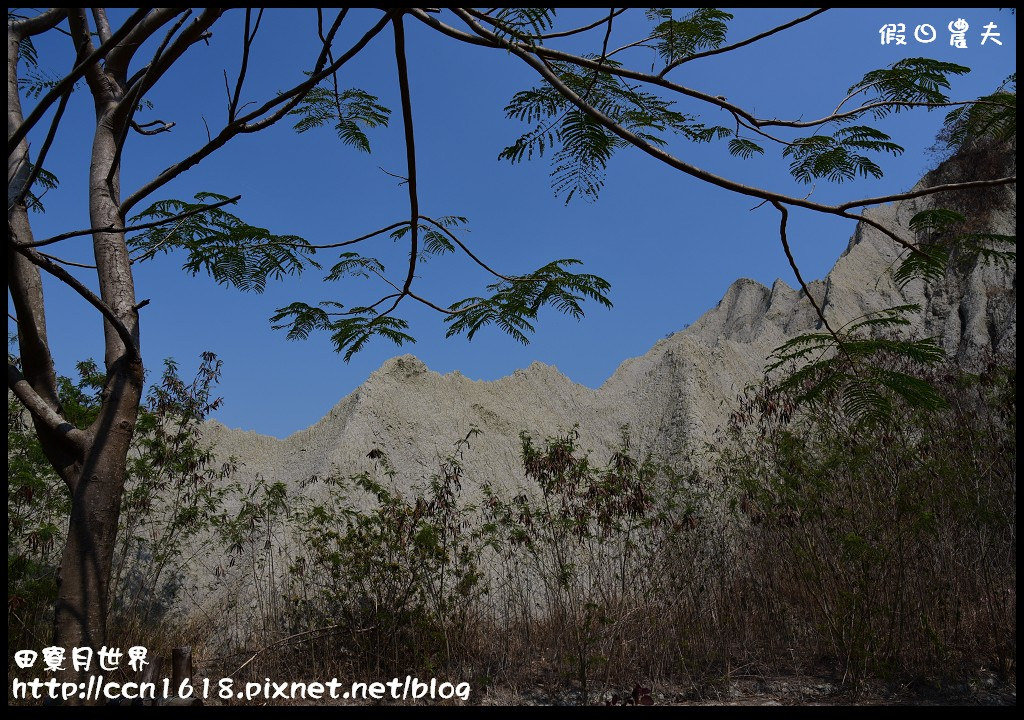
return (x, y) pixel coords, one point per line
(986, 690)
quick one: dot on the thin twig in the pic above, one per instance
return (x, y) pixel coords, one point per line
(62, 261)
(38, 166)
(247, 40)
(248, 123)
(71, 78)
(466, 250)
(131, 228)
(129, 104)
(410, 147)
(796, 270)
(131, 347)
(734, 46)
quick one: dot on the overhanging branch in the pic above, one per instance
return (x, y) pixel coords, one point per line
(71, 78)
(38, 259)
(70, 435)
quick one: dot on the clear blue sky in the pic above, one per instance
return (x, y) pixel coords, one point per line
(670, 245)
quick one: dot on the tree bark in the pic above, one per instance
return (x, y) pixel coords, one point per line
(91, 461)
(83, 595)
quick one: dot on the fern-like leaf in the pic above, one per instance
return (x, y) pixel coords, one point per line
(995, 116)
(350, 334)
(909, 80)
(349, 111)
(744, 148)
(523, 23)
(852, 369)
(700, 29)
(514, 304)
(221, 244)
(582, 147)
(46, 180)
(833, 157)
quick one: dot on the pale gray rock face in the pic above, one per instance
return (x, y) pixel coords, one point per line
(676, 394)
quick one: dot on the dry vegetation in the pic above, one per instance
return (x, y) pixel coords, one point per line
(846, 557)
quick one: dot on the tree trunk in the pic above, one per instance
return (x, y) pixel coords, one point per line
(83, 585)
(83, 595)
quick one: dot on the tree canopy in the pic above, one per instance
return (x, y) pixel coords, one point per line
(578, 111)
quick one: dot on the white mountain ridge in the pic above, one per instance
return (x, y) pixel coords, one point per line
(676, 394)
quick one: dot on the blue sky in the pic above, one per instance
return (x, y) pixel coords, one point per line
(669, 244)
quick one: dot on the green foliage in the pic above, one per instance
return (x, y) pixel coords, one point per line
(517, 301)
(174, 492)
(744, 148)
(513, 305)
(221, 244)
(850, 368)
(699, 29)
(37, 81)
(395, 579)
(37, 503)
(523, 23)
(352, 333)
(930, 263)
(584, 146)
(995, 116)
(349, 111)
(878, 547)
(911, 80)
(834, 157)
(353, 264)
(48, 181)
(433, 240)
(579, 537)
(940, 230)
(304, 319)
(578, 501)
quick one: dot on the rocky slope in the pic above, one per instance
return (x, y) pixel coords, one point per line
(677, 393)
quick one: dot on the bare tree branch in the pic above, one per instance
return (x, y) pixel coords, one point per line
(99, 15)
(466, 250)
(130, 102)
(121, 56)
(75, 440)
(576, 31)
(142, 129)
(37, 167)
(870, 106)
(410, 148)
(796, 270)
(132, 228)
(70, 79)
(70, 263)
(39, 24)
(63, 275)
(247, 40)
(928, 191)
(244, 124)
